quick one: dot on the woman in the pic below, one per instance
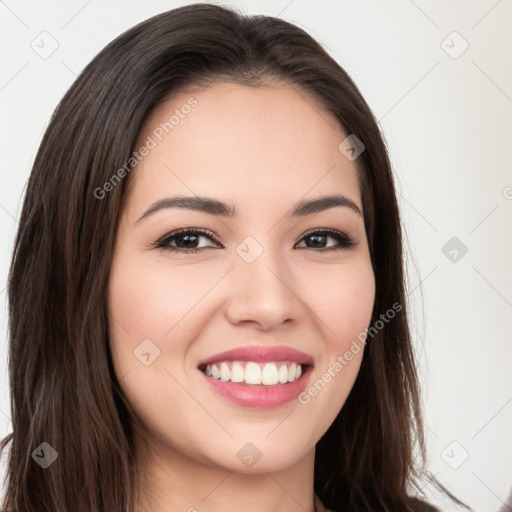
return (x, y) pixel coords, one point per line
(268, 367)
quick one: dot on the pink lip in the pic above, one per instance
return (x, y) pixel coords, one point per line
(263, 397)
(260, 355)
(260, 396)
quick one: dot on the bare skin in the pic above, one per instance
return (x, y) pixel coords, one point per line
(260, 150)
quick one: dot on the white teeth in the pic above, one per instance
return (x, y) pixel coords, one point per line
(252, 373)
(268, 374)
(283, 374)
(292, 372)
(225, 373)
(237, 373)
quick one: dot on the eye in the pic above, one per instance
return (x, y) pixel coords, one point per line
(320, 236)
(187, 240)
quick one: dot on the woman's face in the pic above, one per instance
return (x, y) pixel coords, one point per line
(259, 279)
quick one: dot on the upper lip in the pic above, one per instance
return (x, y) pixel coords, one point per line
(260, 354)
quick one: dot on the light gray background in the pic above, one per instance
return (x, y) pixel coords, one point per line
(448, 125)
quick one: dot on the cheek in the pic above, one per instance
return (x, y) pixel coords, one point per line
(138, 310)
(346, 304)
(156, 313)
(344, 307)
(152, 301)
(150, 311)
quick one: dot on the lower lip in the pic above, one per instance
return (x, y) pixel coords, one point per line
(259, 396)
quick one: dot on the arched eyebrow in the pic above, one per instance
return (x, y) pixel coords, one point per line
(216, 207)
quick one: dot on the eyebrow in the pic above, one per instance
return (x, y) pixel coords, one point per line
(215, 207)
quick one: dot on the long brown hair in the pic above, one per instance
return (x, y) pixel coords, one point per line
(63, 388)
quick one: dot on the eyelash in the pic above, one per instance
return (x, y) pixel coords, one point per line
(344, 241)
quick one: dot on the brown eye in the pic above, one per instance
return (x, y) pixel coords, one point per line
(319, 238)
(187, 240)
(184, 240)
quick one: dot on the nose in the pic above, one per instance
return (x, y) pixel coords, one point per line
(262, 293)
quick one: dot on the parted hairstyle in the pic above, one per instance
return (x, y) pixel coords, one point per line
(63, 387)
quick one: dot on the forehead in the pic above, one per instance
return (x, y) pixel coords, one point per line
(244, 144)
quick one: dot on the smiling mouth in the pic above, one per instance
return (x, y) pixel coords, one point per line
(251, 373)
